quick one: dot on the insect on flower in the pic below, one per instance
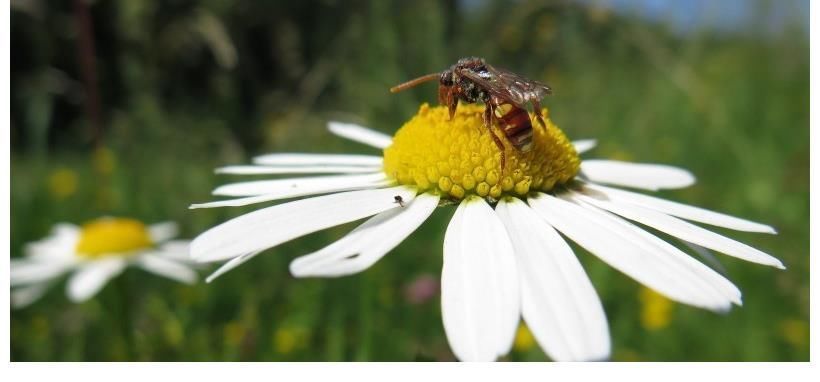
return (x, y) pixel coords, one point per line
(398, 200)
(506, 252)
(505, 94)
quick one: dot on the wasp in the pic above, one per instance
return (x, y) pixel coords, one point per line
(505, 94)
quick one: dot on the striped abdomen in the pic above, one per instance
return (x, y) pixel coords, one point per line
(517, 128)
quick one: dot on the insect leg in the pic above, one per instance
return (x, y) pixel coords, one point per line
(489, 112)
(489, 117)
(444, 95)
(452, 102)
(500, 146)
(539, 115)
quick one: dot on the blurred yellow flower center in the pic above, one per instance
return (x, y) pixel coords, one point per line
(458, 157)
(656, 310)
(524, 339)
(112, 236)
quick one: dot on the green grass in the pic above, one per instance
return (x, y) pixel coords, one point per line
(731, 108)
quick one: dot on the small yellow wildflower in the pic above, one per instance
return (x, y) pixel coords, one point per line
(656, 310)
(40, 327)
(626, 355)
(62, 183)
(795, 332)
(173, 331)
(104, 161)
(288, 339)
(233, 332)
(524, 340)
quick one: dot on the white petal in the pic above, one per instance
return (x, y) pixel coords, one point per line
(480, 302)
(558, 301)
(92, 276)
(681, 210)
(231, 264)
(684, 230)
(165, 267)
(297, 186)
(177, 250)
(706, 277)
(277, 224)
(360, 134)
(707, 256)
(304, 189)
(162, 232)
(584, 145)
(65, 229)
(639, 175)
(368, 243)
(271, 170)
(26, 295)
(633, 252)
(298, 159)
(51, 251)
(25, 271)
(59, 246)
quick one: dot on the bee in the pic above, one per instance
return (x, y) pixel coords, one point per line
(505, 94)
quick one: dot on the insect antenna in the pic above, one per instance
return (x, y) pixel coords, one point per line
(414, 82)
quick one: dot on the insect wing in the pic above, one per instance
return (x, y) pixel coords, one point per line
(496, 86)
(510, 86)
(534, 89)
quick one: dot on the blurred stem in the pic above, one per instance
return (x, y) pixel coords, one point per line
(124, 315)
(365, 315)
(38, 115)
(334, 346)
(88, 65)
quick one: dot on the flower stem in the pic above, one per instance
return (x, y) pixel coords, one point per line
(125, 316)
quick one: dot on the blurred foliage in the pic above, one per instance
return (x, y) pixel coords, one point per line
(187, 86)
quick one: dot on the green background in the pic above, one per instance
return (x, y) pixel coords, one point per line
(188, 86)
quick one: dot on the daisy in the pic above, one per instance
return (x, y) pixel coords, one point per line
(95, 253)
(500, 264)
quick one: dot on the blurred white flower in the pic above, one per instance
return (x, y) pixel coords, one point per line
(502, 263)
(94, 254)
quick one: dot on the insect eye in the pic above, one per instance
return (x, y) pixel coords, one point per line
(446, 79)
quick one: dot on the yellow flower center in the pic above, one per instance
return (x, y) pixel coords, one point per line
(458, 157)
(112, 236)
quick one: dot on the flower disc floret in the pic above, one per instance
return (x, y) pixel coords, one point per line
(112, 236)
(459, 158)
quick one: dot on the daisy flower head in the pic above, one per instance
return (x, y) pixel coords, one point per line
(95, 253)
(505, 253)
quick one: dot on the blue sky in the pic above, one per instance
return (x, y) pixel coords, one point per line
(686, 16)
(728, 15)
